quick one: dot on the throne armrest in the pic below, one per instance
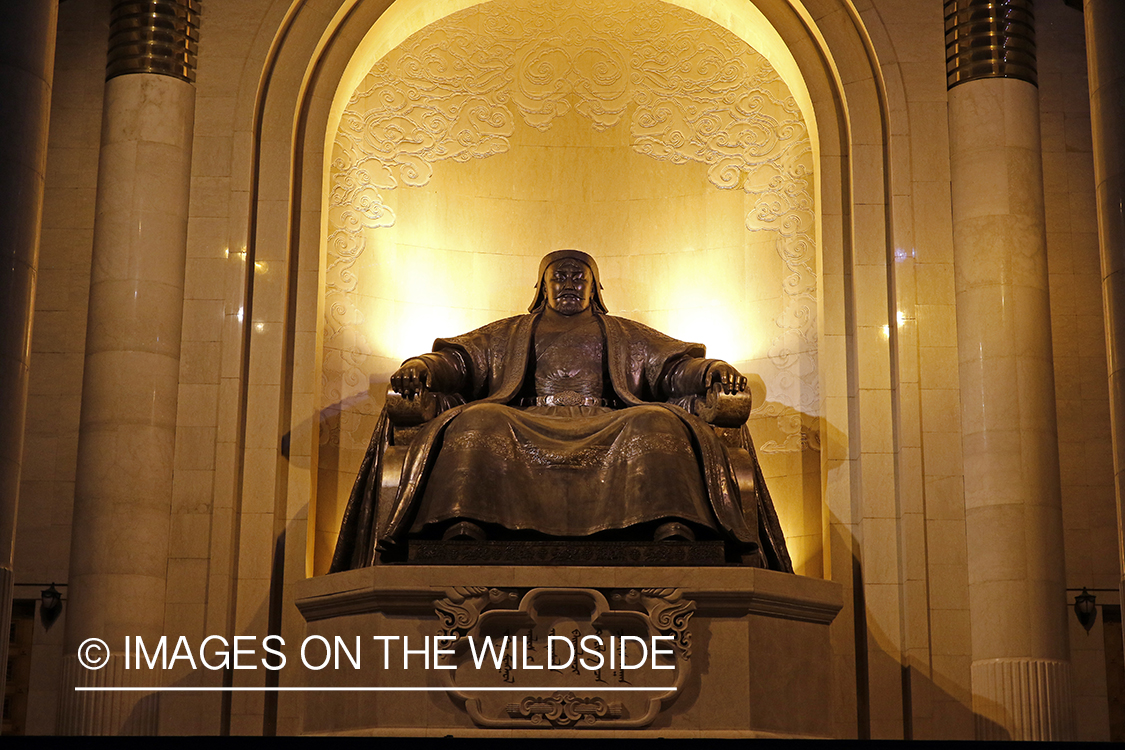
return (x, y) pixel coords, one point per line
(407, 415)
(410, 412)
(723, 409)
(727, 413)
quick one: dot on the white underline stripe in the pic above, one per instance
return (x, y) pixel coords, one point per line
(554, 689)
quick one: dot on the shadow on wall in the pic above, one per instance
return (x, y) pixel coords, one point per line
(894, 692)
(933, 705)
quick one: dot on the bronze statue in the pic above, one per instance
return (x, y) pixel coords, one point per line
(565, 423)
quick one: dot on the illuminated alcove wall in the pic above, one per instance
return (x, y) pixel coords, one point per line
(641, 132)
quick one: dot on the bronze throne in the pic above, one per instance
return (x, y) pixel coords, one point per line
(403, 418)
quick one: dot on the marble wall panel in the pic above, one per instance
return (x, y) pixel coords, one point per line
(1085, 452)
(930, 488)
(55, 375)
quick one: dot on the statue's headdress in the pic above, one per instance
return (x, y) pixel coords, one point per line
(541, 293)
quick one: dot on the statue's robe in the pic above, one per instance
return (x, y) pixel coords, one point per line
(651, 376)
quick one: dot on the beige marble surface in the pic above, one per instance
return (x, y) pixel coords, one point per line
(127, 434)
(1079, 343)
(1013, 520)
(758, 650)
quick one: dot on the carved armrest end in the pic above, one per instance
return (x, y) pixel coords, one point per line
(408, 412)
(724, 409)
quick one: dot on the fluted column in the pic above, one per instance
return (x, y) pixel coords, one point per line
(1105, 61)
(1013, 513)
(27, 62)
(123, 490)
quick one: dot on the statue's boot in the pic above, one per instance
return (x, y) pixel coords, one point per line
(673, 531)
(464, 531)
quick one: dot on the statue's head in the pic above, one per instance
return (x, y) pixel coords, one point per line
(568, 283)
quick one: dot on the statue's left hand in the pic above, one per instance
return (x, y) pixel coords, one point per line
(732, 380)
(412, 378)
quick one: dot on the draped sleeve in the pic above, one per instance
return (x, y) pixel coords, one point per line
(647, 365)
(494, 357)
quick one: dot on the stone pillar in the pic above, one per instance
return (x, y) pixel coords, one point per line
(1013, 513)
(27, 61)
(1105, 62)
(123, 490)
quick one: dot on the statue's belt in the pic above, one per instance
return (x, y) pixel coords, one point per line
(569, 398)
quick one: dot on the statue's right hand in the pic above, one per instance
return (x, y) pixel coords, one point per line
(412, 378)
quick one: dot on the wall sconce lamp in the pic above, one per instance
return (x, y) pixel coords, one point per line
(50, 604)
(1086, 607)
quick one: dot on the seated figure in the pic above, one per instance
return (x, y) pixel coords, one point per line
(565, 423)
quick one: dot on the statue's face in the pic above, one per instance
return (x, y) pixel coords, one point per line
(570, 286)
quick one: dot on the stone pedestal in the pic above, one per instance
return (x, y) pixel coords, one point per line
(742, 652)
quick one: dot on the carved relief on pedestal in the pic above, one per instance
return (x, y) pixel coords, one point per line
(461, 609)
(574, 648)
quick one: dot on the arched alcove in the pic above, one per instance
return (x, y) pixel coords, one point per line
(473, 140)
(278, 359)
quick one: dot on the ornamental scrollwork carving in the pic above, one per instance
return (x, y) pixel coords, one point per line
(462, 606)
(564, 709)
(582, 685)
(687, 89)
(668, 610)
